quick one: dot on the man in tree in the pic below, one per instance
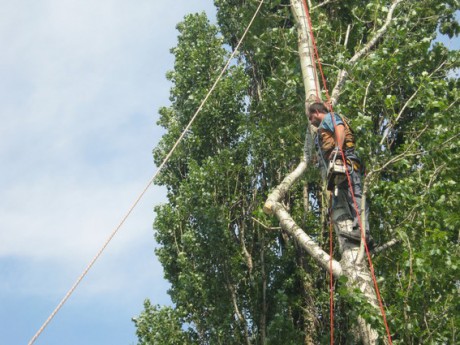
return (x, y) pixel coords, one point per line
(334, 136)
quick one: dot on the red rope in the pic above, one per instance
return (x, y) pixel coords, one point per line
(363, 238)
(331, 276)
(331, 281)
(371, 266)
(317, 60)
(312, 58)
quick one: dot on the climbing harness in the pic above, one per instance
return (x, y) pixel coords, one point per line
(335, 174)
(363, 240)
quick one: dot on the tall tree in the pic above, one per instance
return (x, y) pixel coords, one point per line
(236, 277)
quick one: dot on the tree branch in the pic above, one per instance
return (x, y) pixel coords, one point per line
(273, 206)
(322, 4)
(343, 74)
(240, 316)
(246, 253)
(266, 227)
(385, 246)
(372, 43)
(391, 125)
(309, 74)
(398, 157)
(280, 191)
(365, 97)
(305, 241)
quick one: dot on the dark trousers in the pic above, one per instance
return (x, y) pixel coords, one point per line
(344, 195)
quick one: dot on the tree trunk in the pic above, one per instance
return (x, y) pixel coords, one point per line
(355, 270)
(306, 53)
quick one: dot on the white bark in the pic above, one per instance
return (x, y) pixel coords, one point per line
(306, 52)
(343, 74)
(385, 246)
(359, 276)
(274, 206)
(279, 192)
(355, 270)
(305, 241)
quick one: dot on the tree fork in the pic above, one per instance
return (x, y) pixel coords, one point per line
(355, 270)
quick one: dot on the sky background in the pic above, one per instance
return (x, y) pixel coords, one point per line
(80, 86)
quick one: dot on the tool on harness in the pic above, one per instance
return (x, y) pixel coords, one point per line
(336, 171)
(355, 236)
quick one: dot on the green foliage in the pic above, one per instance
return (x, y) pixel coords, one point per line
(161, 325)
(235, 281)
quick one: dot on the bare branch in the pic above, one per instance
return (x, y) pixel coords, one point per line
(435, 175)
(391, 125)
(365, 97)
(280, 191)
(411, 274)
(266, 227)
(399, 157)
(347, 35)
(385, 246)
(371, 44)
(305, 241)
(450, 139)
(343, 74)
(238, 314)
(415, 93)
(246, 253)
(406, 104)
(322, 4)
(396, 159)
(451, 105)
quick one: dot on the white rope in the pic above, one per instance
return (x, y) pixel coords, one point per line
(165, 160)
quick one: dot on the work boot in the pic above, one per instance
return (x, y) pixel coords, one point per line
(355, 236)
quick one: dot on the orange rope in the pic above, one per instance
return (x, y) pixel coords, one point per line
(363, 238)
(331, 276)
(312, 58)
(331, 280)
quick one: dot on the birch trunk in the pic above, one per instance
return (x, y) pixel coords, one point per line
(306, 53)
(356, 271)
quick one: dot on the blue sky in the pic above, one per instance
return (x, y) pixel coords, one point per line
(80, 85)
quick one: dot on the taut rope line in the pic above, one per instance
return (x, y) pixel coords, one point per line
(166, 159)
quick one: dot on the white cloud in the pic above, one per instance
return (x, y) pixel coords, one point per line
(54, 218)
(80, 85)
(74, 80)
(69, 95)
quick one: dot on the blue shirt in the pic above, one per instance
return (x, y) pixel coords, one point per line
(328, 124)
